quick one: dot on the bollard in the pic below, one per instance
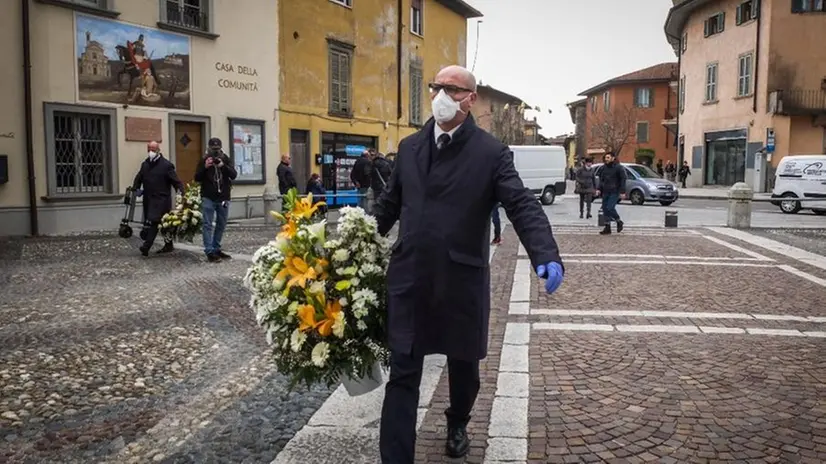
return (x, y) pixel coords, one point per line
(601, 218)
(270, 204)
(671, 218)
(740, 196)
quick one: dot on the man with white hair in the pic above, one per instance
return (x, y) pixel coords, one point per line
(445, 183)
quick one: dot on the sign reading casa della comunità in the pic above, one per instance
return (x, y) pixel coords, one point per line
(234, 81)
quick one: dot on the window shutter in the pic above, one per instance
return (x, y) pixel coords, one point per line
(755, 9)
(335, 83)
(722, 22)
(797, 6)
(705, 28)
(344, 79)
(739, 19)
(651, 97)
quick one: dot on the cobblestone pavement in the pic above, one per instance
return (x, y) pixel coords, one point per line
(106, 356)
(813, 240)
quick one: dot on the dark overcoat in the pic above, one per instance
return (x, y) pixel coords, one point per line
(157, 179)
(438, 281)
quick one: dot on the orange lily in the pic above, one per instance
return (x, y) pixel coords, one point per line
(306, 314)
(304, 207)
(289, 229)
(299, 272)
(331, 310)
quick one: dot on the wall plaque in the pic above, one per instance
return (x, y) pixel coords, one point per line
(143, 129)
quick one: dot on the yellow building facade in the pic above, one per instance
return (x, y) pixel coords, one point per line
(354, 75)
(106, 77)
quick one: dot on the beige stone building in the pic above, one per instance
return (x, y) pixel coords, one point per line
(106, 76)
(752, 75)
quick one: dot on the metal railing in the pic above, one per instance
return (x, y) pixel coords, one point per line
(799, 101)
(188, 16)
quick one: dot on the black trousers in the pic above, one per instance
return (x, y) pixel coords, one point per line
(151, 228)
(401, 401)
(585, 199)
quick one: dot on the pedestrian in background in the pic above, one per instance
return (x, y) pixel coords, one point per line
(671, 171)
(611, 184)
(585, 186)
(360, 177)
(315, 187)
(497, 225)
(685, 171)
(215, 173)
(380, 170)
(660, 169)
(157, 176)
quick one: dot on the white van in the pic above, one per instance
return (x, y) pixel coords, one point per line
(801, 176)
(542, 169)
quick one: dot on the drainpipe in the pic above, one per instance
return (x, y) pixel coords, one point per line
(756, 54)
(27, 96)
(400, 7)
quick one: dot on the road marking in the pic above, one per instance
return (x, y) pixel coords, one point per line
(736, 248)
(665, 261)
(799, 254)
(674, 315)
(805, 275)
(687, 329)
(521, 290)
(508, 426)
(659, 257)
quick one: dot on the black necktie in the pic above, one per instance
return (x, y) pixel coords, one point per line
(442, 141)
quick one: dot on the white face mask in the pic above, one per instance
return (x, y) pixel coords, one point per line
(444, 107)
(153, 155)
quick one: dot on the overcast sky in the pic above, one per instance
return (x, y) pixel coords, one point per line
(547, 51)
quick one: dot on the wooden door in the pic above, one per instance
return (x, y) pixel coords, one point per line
(189, 148)
(300, 156)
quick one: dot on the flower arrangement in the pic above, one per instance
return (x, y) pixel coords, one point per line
(184, 222)
(322, 301)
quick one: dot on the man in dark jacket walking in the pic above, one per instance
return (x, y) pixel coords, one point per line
(286, 179)
(380, 170)
(611, 184)
(157, 176)
(447, 178)
(215, 173)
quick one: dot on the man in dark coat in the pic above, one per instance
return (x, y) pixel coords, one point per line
(286, 179)
(611, 185)
(157, 176)
(361, 178)
(447, 178)
(380, 171)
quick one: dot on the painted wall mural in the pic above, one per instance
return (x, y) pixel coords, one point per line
(129, 64)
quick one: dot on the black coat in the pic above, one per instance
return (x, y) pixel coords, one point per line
(360, 174)
(157, 179)
(286, 179)
(380, 174)
(612, 178)
(438, 282)
(216, 183)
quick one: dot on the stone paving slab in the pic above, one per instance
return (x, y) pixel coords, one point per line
(683, 288)
(676, 398)
(645, 245)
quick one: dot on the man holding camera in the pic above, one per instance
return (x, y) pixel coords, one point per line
(215, 173)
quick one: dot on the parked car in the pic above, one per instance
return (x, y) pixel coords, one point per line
(644, 184)
(800, 176)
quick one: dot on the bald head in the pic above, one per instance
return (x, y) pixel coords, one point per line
(152, 146)
(458, 76)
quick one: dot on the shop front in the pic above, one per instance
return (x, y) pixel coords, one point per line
(340, 152)
(725, 160)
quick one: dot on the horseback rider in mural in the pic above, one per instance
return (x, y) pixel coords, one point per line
(138, 64)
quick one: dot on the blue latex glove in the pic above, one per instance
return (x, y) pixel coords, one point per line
(553, 275)
(139, 192)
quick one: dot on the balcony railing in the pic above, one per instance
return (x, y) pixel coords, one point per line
(670, 113)
(190, 17)
(798, 102)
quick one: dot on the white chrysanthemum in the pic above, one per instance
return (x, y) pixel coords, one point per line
(317, 288)
(297, 340)
(278, 284)
(348, 271)
(339, 325)
(361, 325)
(341, 255)
(355, 281)
(320, 354)
(343, 302)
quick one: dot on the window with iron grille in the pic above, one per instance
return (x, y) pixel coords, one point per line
(340, 59)
(80, 153)
(644, 97)
(744, 71)
(347, 3)
(416, 89)
(417, 17)
(186, 14)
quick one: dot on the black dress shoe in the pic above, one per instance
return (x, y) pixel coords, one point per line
(144, 251)
(167, 248)
(213, 258)
(458, 442)
(223, 255)
(620, 226)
